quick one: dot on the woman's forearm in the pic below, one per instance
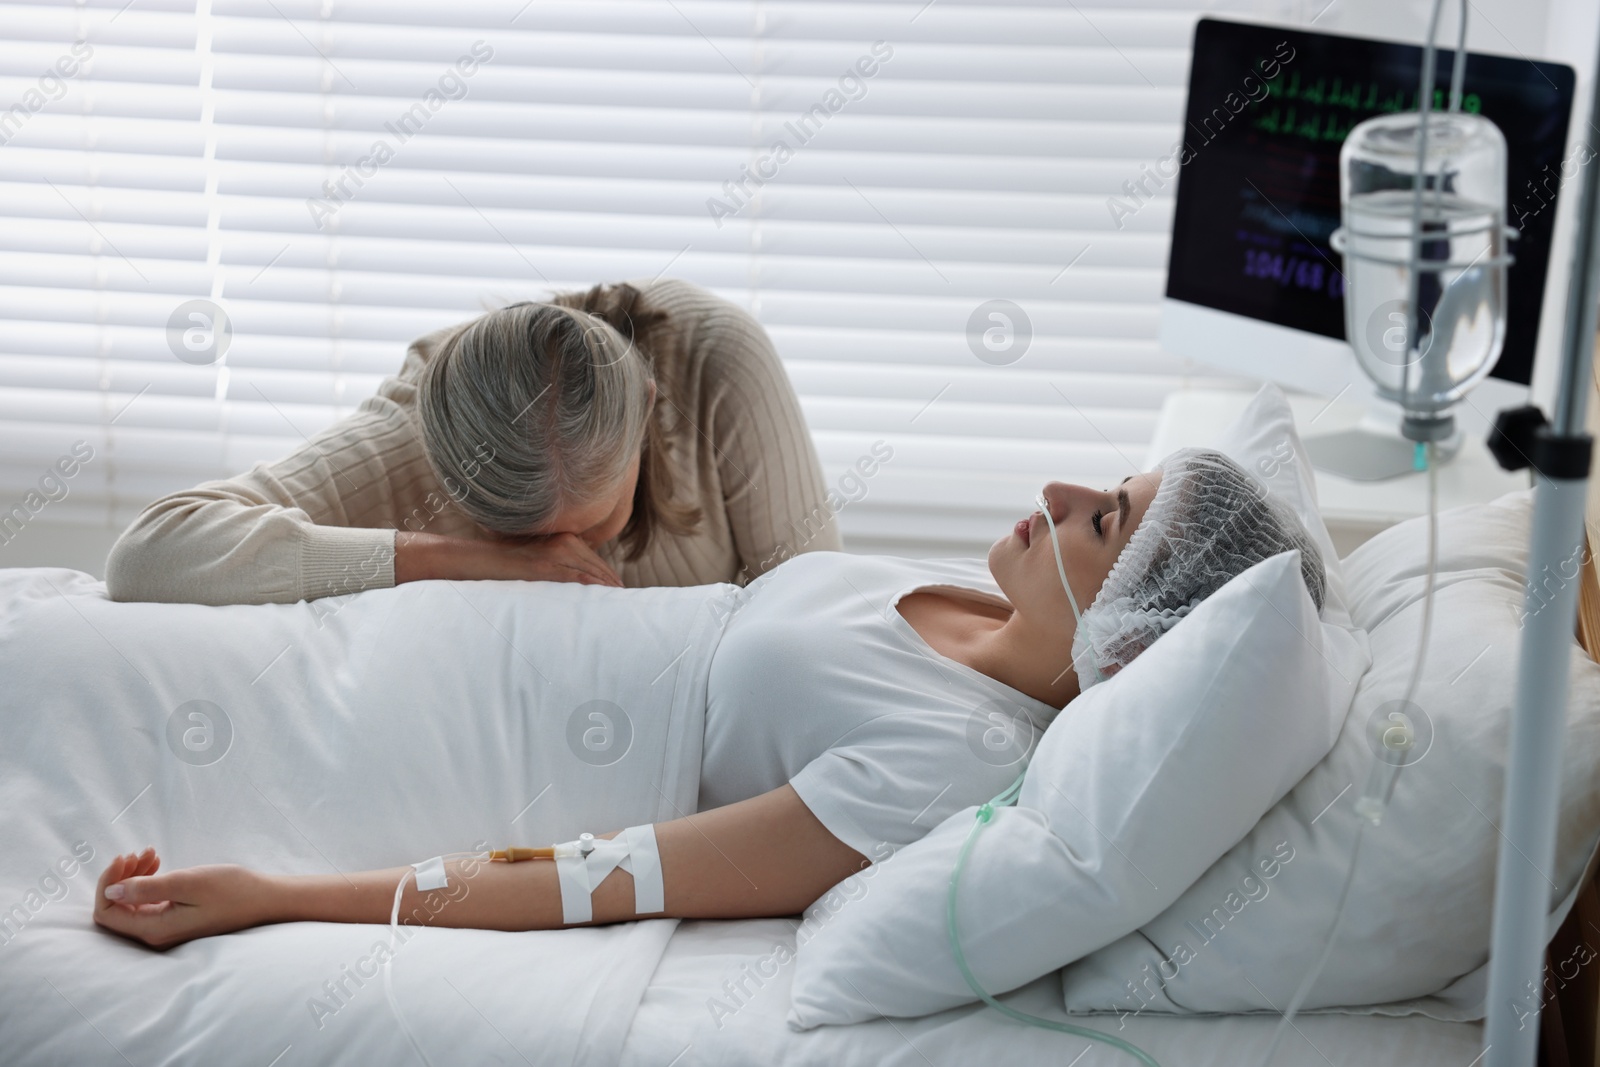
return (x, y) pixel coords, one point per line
(558, 558)
(765, 856)
(481, 894)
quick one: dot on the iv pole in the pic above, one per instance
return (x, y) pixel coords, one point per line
(1560, 458)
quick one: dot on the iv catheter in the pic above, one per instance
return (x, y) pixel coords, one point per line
(582, 847)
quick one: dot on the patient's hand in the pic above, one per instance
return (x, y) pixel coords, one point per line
(163, 910)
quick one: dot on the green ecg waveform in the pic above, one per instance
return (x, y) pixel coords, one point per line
(1327, 109)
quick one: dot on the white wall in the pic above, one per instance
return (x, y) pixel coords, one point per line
(1510, 27)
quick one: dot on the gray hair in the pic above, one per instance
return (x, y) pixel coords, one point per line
(532, 408)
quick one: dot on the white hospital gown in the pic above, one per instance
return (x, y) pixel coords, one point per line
(820, 682)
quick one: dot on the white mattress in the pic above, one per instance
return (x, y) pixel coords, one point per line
(678, 1024)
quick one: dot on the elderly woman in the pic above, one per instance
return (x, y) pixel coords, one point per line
(839, 700)
(626, 436)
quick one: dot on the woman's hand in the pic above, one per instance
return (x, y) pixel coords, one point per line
(561, 557)
(163, 910)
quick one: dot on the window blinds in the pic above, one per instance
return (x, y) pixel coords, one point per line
(340, 177)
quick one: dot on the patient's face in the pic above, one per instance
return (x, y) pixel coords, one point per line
(1092, 526)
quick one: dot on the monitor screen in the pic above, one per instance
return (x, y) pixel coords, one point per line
(1258, 189)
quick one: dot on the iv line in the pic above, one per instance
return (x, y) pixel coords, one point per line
(985, 813)
(394, 948)
(1396, 742)
(1385, 773)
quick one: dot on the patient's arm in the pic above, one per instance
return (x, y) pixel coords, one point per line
(765, 856)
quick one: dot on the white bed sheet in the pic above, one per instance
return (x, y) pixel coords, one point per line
(679, 1023)
(366, 731)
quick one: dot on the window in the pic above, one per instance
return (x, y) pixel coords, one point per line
(339, 178)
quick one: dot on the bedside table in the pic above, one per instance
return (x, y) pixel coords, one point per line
(1353, 511)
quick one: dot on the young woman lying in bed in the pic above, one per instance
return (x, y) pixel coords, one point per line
(840, 707)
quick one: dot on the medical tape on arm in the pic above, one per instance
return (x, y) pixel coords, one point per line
(431, 874)
(634, 850)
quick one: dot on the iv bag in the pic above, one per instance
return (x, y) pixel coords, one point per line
(1424, 356)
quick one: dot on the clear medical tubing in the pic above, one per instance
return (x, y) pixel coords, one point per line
(1061, 569)
(985, 813)
(1386, 767)
(1424, 106)
(394, 947)
(1389, 756)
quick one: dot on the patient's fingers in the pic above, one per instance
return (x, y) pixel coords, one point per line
(146, 862)
(115, 913)
(120, 867)
(155, 888)
(145, 923)
(112, 873)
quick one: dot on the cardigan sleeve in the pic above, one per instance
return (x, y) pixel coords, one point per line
(772, 483)
(319, 522)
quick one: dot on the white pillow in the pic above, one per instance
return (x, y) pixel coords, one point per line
(1419, 915)
(1264, 441)
(1137, 787)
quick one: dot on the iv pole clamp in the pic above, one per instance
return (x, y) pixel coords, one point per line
(1560, 453)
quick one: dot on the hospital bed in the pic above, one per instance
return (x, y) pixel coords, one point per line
(648, 993)
(357, 736)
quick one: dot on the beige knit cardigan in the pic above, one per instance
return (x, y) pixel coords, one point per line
(322, 520)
